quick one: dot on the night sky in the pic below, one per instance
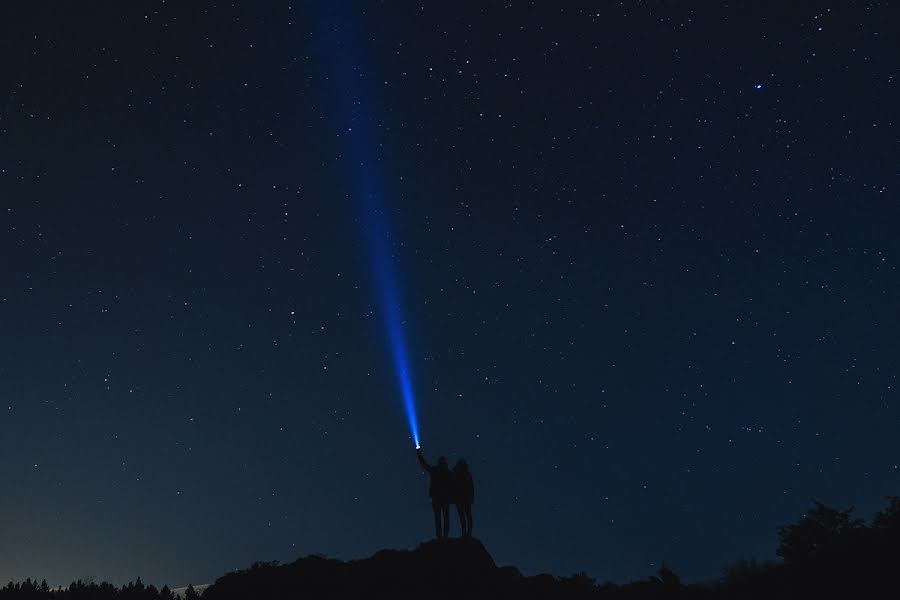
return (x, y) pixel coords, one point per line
(644, 260)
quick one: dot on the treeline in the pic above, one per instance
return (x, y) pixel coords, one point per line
(81, 590)
(827, 553)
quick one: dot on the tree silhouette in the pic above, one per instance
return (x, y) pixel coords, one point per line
(166, 594)
(888, 518)
(191, 594)
(821, 527)
(668, 577)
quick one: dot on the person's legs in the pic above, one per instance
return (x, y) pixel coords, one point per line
(445, 508)
(460, 509)
(468, 520)
(436, 509)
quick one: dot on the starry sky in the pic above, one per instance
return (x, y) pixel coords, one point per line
(646, 253)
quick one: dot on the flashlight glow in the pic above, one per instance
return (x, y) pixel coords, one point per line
(378, 237)
(360, 147)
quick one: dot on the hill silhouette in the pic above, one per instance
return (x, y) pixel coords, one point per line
(827, 553)
(452, 568)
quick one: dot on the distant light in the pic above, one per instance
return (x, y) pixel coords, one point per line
(758, 86)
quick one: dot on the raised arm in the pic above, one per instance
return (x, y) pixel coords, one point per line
(422, 462)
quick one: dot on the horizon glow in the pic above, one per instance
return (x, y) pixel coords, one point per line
(357, 140)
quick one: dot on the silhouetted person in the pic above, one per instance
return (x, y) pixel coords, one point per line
(441, 491)
(463, 495)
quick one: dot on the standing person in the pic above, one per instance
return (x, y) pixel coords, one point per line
(464, 495)
(440, 489)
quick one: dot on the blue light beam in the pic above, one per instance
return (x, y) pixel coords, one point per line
(378, 238)
(356, 115)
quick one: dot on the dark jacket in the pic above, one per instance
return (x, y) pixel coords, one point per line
(441, 487)
(463, 487)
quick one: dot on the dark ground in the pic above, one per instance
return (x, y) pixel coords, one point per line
(828, 553)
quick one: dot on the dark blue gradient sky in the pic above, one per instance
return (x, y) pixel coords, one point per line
(647, 253)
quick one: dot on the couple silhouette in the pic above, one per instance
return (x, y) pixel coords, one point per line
(449, 487)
